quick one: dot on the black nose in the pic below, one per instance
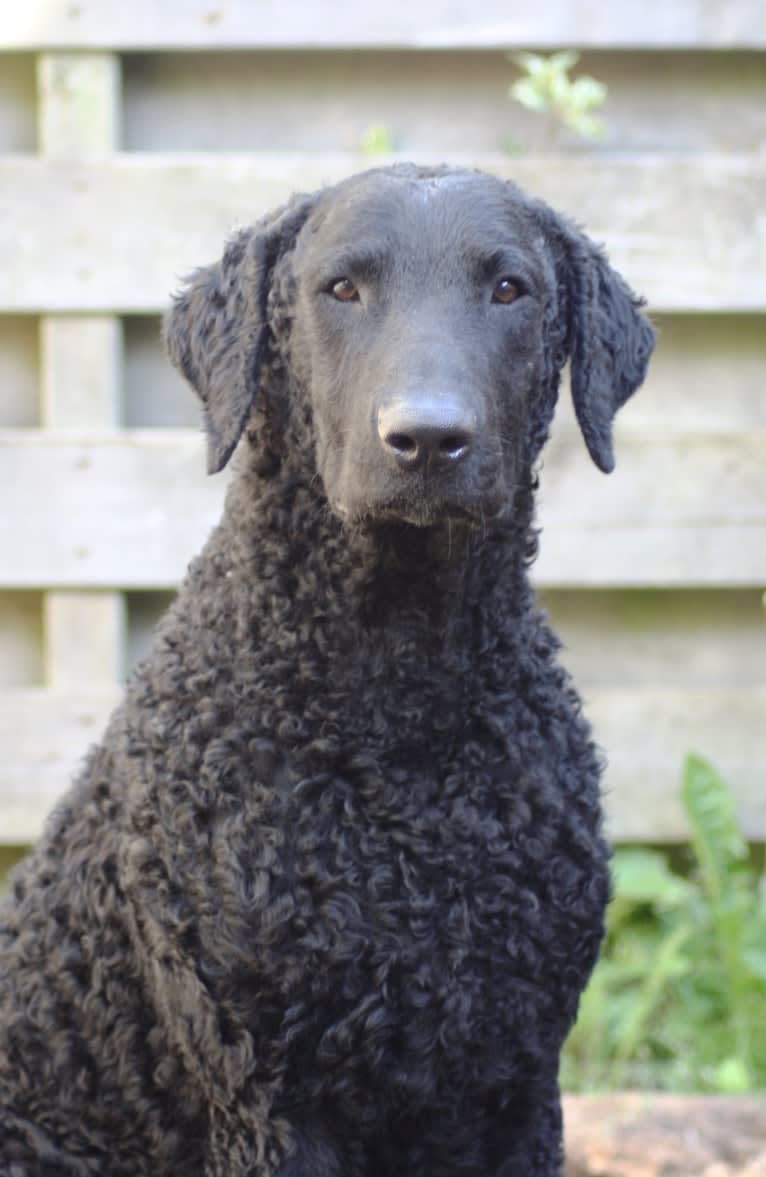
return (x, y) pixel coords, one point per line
(434, 429)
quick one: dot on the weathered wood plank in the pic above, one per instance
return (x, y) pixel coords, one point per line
(236, 24)
(436, 103)
(19, 372)
(115, 235)
(44, 735)
(81, 371)
(21, 639)
(125, 510)
(130, 510)
(646, 733)
(79, 103)
(84, 638)
(81, 361)
(17, 103)
(706, 376)
(679, 638)
(677, 510)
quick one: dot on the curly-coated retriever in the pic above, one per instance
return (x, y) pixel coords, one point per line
(325, 896)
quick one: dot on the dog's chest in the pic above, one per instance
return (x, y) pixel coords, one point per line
(412, 938)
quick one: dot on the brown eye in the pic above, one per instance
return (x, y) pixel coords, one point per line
(506, 290)
(344, 290)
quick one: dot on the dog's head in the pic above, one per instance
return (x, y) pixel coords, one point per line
(424, 317)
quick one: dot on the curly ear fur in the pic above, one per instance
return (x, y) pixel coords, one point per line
(609, 339)
(611, 345)
(217, 329)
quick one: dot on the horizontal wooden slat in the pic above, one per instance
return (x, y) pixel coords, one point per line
(681, 638)
(676, 511)
(126, 510)
(130, 509)
(645, 732)
(44, 735)
(115, 234)
(323, 102)
(159, 24)
(706, 376)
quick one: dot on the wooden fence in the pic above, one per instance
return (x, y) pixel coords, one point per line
(133, 137)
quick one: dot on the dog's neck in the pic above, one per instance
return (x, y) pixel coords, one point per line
(386, 572)
(410, 624)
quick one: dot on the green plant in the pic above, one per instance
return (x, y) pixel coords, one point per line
(678, 1000)
(546, 88)
(377, 140)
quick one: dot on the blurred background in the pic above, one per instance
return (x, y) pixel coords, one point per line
(134, 137)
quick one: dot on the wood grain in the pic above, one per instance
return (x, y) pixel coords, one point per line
(117, 234)
(198, 24)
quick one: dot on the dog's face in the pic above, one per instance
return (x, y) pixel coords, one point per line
(420, 310)
(430, 314)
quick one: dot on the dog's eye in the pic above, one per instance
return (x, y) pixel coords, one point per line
(344, 290)
(506, 290)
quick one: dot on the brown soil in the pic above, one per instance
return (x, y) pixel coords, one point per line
(635, 1135)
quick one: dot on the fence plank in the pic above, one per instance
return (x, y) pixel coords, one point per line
(430, 102)
(677, 510)
(84, 638)
(646, 732)
(44, 734)
(131, 509)
(78, 103)
(688, 232)
(81, 361)
(81, 366)
(238, 24)
(706, 376)
(679, 638)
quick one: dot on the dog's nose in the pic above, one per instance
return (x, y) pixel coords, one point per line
(428, 429)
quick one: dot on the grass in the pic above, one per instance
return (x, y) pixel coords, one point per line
(678, 999)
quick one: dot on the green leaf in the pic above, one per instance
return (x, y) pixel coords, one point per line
(586, 93)
(732, 1076)
(563, 60)
(529, 94)
(755, 958)
(532, 63)
(642, 876)
(720, 848)
(717, 840)
(377, 140)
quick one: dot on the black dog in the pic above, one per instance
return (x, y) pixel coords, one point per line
(325, 897)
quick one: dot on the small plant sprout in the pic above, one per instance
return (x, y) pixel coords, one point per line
(546, 88)
(377, 140)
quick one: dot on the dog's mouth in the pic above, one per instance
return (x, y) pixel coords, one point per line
(421, 512)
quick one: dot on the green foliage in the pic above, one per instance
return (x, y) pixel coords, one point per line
(377, 140)
(546, 88)
(678, 1000)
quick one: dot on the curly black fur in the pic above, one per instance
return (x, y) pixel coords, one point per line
(324, 898)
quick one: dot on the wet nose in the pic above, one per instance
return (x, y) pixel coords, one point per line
(428, 429)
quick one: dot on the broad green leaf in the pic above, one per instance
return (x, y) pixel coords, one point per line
(643, 876)
(732, 1076)
(529, 95)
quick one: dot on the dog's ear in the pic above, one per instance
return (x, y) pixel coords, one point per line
(216, 330)
(609, 339)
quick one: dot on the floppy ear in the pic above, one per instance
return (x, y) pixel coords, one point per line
(611, 342)
(609, 339)
(216, 331)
